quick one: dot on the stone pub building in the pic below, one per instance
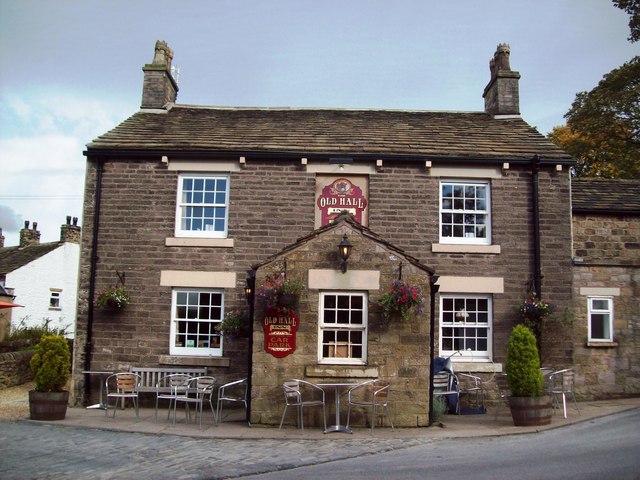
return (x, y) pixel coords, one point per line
(186, 205)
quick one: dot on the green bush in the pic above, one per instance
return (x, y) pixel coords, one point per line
(51, 364)
(22, 332)
(523, 364)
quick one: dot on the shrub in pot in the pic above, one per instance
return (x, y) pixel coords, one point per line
(51, 366)
(529, 405)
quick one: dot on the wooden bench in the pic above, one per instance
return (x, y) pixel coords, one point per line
(151, 375)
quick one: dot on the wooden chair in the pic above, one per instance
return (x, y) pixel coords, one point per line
(121, 386)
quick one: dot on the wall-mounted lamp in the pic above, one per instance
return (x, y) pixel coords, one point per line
(250, 285)
(344, 248)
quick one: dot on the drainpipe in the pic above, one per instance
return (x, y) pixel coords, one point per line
(88, 347)
(432, 325)
(251, 286)
(537, 271)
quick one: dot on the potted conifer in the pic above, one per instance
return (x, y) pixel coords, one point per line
(529, 403)
(51, 366)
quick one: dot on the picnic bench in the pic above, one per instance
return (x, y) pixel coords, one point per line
(149, 376)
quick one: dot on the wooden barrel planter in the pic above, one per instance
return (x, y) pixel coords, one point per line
(48, 405)
(531, 411)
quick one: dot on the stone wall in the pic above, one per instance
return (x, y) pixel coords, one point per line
(397, 349)
(15, 369)
(272, 203)
(608, 260)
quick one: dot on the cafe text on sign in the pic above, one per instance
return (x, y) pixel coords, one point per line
(280, 326)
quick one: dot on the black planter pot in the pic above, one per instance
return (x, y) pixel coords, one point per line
(48, 405)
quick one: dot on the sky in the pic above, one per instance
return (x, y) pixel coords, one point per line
(71, 70)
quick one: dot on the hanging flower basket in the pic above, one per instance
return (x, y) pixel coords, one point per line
(532, 308)
(279, 291)
(113, 298)
(533, 311)
(403, 299)
(235, 324)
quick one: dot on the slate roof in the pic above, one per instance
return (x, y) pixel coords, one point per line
(389, 134)
(12, 258)
(612, 196)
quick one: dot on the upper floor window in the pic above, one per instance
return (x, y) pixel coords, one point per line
(54, 299)
(600, 311)
(465, 326)
(464, 212)
(195, 314)
(343, 328)
(202, 206)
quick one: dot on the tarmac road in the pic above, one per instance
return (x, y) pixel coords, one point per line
(605, 447)
(600, 449)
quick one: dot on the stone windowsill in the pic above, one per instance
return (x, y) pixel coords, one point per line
(199, 242)
(465, 248)
(477, 367)
(341, 371)
(194, 361)
(602, 344)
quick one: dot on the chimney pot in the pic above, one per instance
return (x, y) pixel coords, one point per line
(159, 87)
(70, 233)
(502, 95)
(29, 236)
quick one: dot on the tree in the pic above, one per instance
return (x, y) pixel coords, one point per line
(632, 7)
(603, 126)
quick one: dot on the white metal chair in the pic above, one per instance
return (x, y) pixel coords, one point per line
(503, 391)
(560, 385)
(170, 386)
(122, 386)
(234, 392)
(373, 394)
(472, 385)
(199, 390)
(446, 384)
(301, 394)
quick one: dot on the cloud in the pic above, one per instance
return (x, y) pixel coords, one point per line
(42, 137)
(9, 220)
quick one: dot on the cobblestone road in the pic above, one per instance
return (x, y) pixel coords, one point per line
(43, 451)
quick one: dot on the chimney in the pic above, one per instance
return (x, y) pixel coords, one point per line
(159, 87)
(29, 236)
(1, 239)
(70, 232)
(501, 95)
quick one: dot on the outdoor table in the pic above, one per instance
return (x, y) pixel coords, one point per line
(337, 386)
(101, 405)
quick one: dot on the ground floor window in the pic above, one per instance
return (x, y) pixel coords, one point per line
(465, 326)
(342, 336)
(195, 315)
(600, 319)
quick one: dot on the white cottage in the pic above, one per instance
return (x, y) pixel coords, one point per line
(43, 277)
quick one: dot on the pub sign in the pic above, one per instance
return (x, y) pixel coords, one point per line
(335, 195)
(280, 326)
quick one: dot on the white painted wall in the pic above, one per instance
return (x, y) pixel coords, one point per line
(32, 286)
